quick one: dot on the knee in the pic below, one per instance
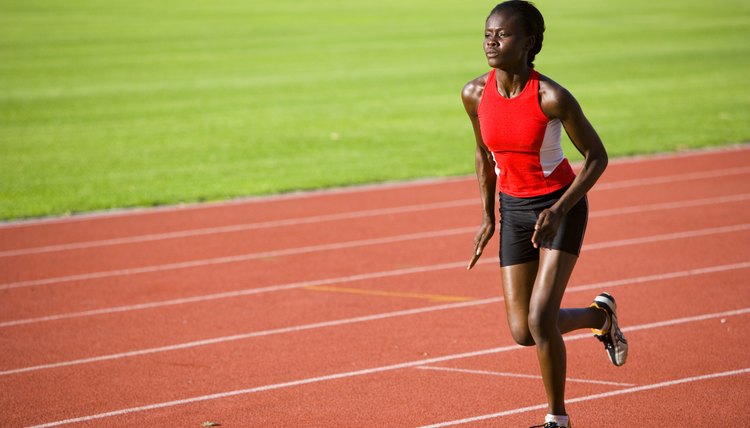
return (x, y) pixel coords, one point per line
(542, 325)
(521, 334)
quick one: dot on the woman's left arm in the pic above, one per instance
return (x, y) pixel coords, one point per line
(558, 103)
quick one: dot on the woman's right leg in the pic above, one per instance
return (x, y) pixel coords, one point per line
(577, 318)
(518, 283)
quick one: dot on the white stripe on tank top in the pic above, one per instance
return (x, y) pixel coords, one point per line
(551, 153)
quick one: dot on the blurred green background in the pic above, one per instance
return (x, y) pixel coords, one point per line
(136, 103)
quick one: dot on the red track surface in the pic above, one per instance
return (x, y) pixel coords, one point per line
(354, 308)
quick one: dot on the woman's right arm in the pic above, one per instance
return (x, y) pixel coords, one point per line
(485, 168)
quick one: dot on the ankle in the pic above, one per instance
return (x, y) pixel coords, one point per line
(561, 420)
(607, 321)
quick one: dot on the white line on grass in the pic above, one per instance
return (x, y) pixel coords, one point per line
(374, 370)
(518, 375)
(373, 317)
(347, 216)
(344, 245)
(595, 397)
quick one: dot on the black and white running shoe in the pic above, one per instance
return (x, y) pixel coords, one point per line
(613, 339)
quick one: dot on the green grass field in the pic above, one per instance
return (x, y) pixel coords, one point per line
(135, 103)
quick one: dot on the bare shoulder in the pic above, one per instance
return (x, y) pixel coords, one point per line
(473, 89)
(555, 100)
(472, 93)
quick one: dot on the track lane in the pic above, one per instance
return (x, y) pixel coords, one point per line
(172, 219)
(661, 359)
(142, 392)
(175, 219)
(368, 393)
(457, 278)
(202, 248)
(38, 344)
(273, 359)
(608, 220)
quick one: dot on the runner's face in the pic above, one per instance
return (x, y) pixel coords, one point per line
(506, 44)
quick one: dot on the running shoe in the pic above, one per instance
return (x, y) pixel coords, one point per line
(551, 425)
(613, 339)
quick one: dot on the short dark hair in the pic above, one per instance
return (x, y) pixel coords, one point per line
(532, 19)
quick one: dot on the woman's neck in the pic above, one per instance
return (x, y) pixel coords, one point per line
(511, 82)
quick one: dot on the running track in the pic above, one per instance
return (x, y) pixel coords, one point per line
(353, 308)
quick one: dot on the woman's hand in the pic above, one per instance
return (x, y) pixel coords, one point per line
(546, 228)
(483, 236)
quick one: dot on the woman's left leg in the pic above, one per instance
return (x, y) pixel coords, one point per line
(555, 268)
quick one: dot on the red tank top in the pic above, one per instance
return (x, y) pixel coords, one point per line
(524, 143)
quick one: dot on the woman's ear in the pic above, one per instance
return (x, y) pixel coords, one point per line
(530, 41)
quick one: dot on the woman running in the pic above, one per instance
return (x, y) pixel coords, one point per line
(517, 115)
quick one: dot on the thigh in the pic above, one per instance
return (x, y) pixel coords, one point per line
(555, 268)
(518, 284)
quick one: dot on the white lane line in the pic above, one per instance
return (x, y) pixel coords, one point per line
(518, 375)
(223, 339)
(351, 244)
(246, 292)
(658, 277)
(667, 237)
(240, 257)
(622, 184)
(360, 277)
(347, 216)
(384, 211)
(595, 397)
(132, 212)
(372, 370)
(247, 201)
(669, 156)
(240, 227)
(671, 205)
(236, 337)
(280, 386)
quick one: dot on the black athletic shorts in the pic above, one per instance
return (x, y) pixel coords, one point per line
(518, 217)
